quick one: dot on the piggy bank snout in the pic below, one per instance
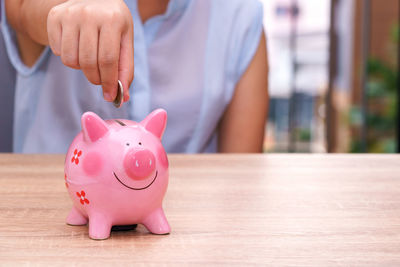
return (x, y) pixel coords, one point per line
(139, 163)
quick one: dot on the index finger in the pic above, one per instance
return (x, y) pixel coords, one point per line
(108, 58)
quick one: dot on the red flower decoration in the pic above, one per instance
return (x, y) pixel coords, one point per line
(65, 179)
(82, 197)
(75, 157)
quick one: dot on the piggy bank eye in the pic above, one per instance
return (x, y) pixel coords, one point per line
(140, 143)
(127, 144)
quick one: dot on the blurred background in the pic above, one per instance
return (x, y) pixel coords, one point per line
(334, 75)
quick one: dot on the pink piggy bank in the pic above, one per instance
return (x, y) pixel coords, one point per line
(116, 172)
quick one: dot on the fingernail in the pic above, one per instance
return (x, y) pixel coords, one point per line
(108, 97)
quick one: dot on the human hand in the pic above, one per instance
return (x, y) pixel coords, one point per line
(95, 36)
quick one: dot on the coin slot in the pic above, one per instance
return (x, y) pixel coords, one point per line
(120, 122)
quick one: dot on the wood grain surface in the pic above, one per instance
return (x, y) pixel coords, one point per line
(278, 210)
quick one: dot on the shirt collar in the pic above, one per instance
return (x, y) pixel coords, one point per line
(175, 6)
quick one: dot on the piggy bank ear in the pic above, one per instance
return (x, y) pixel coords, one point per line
(155, 122)
(93, 127)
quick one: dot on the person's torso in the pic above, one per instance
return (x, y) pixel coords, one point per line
(181, 64)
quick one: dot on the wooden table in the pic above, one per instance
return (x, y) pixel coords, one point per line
(313, 210)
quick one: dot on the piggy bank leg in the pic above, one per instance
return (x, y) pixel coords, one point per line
(99, 227)
(156, 222)
(76, 218)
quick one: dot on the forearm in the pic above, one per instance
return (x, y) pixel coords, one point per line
(29, 18)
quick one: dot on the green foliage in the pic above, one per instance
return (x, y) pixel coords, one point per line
(304, 134)
(355, 116)
(356, 146)
(382, 75)
(381, 94)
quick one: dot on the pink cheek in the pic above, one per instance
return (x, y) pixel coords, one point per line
(163, 157)
(92, 163)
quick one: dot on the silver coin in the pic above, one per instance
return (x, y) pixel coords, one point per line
(120, 95)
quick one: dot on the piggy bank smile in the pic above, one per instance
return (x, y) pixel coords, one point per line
(135, 188)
